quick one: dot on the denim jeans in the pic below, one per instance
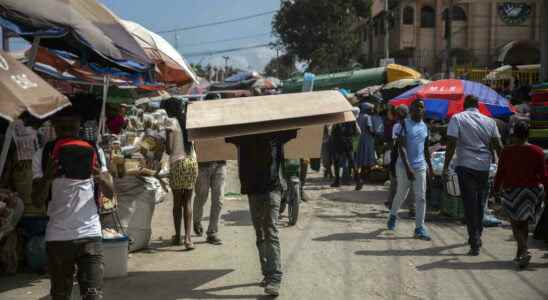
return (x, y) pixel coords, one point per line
(418, 186)
(210, 175)
(87, 254)
(265, 210)
(474, 188)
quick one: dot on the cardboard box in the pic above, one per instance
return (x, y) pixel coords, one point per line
(308, 144)
(251, 115)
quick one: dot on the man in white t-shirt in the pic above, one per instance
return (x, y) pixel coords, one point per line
(73, 233)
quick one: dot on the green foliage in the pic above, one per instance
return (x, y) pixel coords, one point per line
(282, 67)
(321, 32)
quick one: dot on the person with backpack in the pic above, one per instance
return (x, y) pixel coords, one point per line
(68, 178)
(412, 167)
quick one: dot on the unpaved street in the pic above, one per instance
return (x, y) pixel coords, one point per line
(339, 250)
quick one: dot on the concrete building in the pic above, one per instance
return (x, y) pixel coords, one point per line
(485, 32)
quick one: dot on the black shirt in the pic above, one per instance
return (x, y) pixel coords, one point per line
(260, 158)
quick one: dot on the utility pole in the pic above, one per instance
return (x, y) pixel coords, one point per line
(544, 41)
(176, 40)
(449, 37)
(226, 58)
(386, 34)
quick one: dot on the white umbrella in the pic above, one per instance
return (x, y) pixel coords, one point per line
(171, 66)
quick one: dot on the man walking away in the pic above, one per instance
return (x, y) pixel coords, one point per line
(411, 167)
(69, 170)
(260, 162)
(210, 175)
(474, 137)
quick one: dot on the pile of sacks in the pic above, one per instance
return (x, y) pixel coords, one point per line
(11, 210)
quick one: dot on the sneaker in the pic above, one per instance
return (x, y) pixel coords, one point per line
(422, 234)
(474, 252)
(272, 289)
(392, 222)
(523, 261)
(198, 229)
(214, 240)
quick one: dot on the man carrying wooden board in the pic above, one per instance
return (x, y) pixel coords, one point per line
(259, 127)
(260, 161)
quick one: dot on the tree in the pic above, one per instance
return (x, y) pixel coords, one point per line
(282, 67)
(320, 31)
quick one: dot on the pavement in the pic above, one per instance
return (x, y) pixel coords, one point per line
(338, 250)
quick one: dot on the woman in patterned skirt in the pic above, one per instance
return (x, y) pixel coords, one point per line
(183, 172)
(519, 180)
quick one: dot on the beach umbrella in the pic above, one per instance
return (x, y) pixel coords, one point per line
(444, 98)
(171, 66)
(22, 90)
(82, 27)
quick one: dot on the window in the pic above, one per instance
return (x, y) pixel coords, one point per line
(458, 14)
(428, 17)
(408, 15)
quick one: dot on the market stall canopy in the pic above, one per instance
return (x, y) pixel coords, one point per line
(171, 66)
(82, 27)
(353, 80)
(22, 90)
(398, 87)
(396, 72)
(444, 98)
(506, 72)
(251, 115)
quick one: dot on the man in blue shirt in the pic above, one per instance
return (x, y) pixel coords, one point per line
(411, 167)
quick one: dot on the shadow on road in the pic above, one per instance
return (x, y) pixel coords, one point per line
(359, 236)
(237, 218)
(360, 197)
(19, 281)
(433, 251)
(455, 264)
(171, 285)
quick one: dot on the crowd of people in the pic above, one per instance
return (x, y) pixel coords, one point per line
(72, 170)
(472, 142)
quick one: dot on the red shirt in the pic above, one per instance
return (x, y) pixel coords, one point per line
(521, 166)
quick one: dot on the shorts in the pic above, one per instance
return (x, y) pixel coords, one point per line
(183, 174)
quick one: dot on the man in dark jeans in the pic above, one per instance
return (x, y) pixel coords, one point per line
(474, 137)
(73, 233)
(260, 162)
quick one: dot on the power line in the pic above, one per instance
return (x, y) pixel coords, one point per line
(206, 53)
(219, 22)
(228, 40)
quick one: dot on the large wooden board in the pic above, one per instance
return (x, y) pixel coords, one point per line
(253, 110)
(270, 126)
(307, 145)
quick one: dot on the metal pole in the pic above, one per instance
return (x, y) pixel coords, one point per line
(5, 40)
(33, 52)
(103, 116)
(6, 146)
(386, 33)
(544, 41)
(449, 38)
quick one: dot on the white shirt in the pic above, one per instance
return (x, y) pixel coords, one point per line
(72, 210)
(473, 132)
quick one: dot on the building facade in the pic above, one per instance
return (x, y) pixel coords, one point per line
(484, 33)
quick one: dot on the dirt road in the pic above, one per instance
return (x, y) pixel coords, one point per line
(339, 250)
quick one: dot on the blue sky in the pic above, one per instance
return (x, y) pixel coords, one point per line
(161, 15)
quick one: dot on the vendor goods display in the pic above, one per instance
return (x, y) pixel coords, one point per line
(452, 206)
